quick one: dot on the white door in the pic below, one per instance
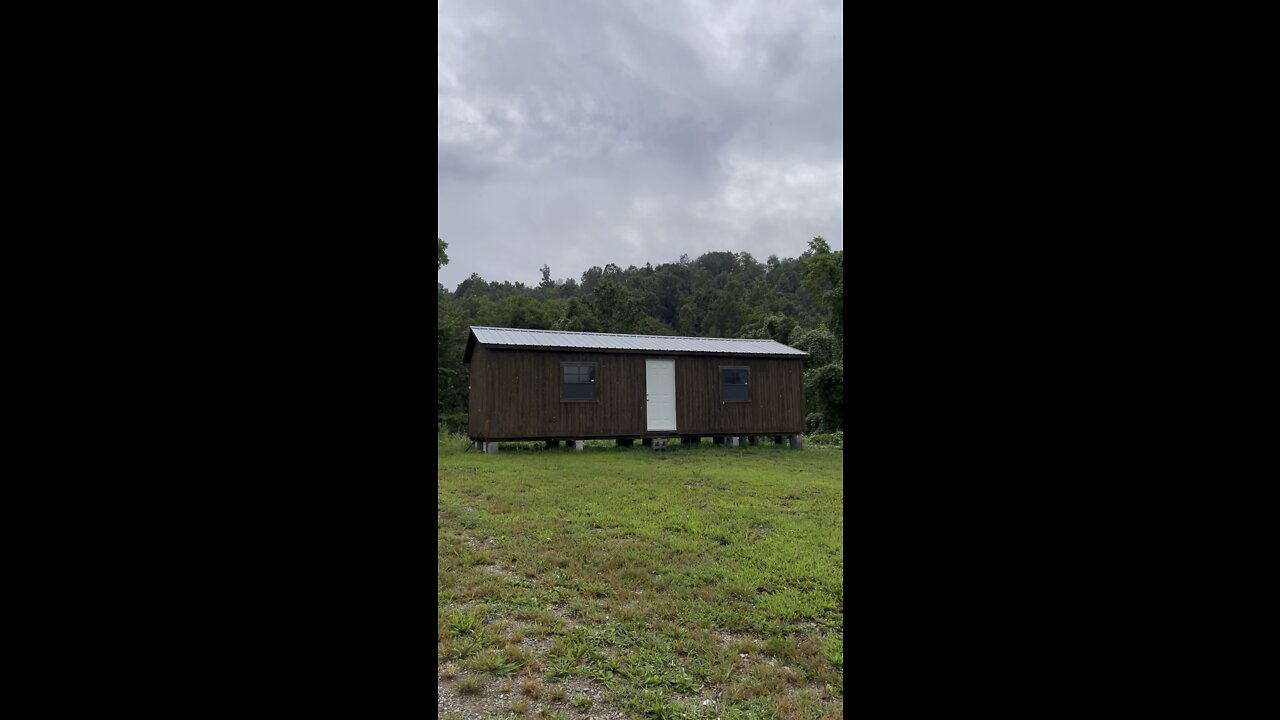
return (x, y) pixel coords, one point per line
(660, 386)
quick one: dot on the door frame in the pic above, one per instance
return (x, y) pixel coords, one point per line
(675, 421)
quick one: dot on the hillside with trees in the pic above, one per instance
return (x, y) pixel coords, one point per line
(796, 301)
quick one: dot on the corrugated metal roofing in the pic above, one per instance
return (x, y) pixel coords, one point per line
(645, 343)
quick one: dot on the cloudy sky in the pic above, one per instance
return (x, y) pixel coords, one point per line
(578, 133)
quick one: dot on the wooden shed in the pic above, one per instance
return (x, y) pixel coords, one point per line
(553, 386)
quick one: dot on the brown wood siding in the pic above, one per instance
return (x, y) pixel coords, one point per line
(776, 390)
(515, 395)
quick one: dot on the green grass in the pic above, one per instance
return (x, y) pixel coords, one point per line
(650, 573)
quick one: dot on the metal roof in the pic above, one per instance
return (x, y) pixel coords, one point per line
(511, 337)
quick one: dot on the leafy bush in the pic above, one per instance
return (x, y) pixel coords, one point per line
(453, 423)
(826, 386)
(835, 439)
(822, 346)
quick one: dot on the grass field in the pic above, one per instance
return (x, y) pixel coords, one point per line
(618, 582)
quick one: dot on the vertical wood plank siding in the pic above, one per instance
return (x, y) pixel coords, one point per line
(515, 395)
(776, 390)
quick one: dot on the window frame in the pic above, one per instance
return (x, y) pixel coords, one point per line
(594, 366)
(720, 380)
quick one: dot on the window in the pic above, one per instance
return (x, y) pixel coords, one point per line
(578, 382)
(733, 384)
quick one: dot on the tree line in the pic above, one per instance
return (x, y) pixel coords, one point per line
(795, 301)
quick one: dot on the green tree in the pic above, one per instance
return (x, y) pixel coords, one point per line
(770, 327)
(517, 311)
(823, 276)
(819, 342)
(452, 377)
(823, 378)
(826, 385)
(726, 314)
(577, 316)
(441, 258)
(618, 309)
(591, 277)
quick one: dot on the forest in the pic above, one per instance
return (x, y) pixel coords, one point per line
(795, 301)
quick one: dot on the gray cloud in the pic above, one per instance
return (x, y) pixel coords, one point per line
(578, 133)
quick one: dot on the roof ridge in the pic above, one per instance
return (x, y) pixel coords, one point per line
(583, 332)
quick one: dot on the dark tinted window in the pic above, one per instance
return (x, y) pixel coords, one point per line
(734, 384)
(578, 382)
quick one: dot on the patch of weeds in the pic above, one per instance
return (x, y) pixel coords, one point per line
(556, 694)
(643, 677)
(653, 704)
(459, 649)
(772, 680)
(764, 681)
(581, 701)
(531, 688)
(520, 706)
(579, 609)
(628, 612)
(722, 669)
(594, 590)
(577, 648)
(683, 683)
(531, 614)
(493, 664)
(465, 622)
(778, 647)
(801, 706)
(741, 690)
(449, 671)
(470, 685)
(521, 658)
(561, 667)
(833, 650)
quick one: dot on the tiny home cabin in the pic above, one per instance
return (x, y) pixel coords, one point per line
(552, 385)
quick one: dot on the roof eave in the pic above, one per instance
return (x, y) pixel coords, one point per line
(627, 351)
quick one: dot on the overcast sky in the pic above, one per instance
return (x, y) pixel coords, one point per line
(578, 133)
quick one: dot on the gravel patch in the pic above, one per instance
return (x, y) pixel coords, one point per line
(491, 701)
